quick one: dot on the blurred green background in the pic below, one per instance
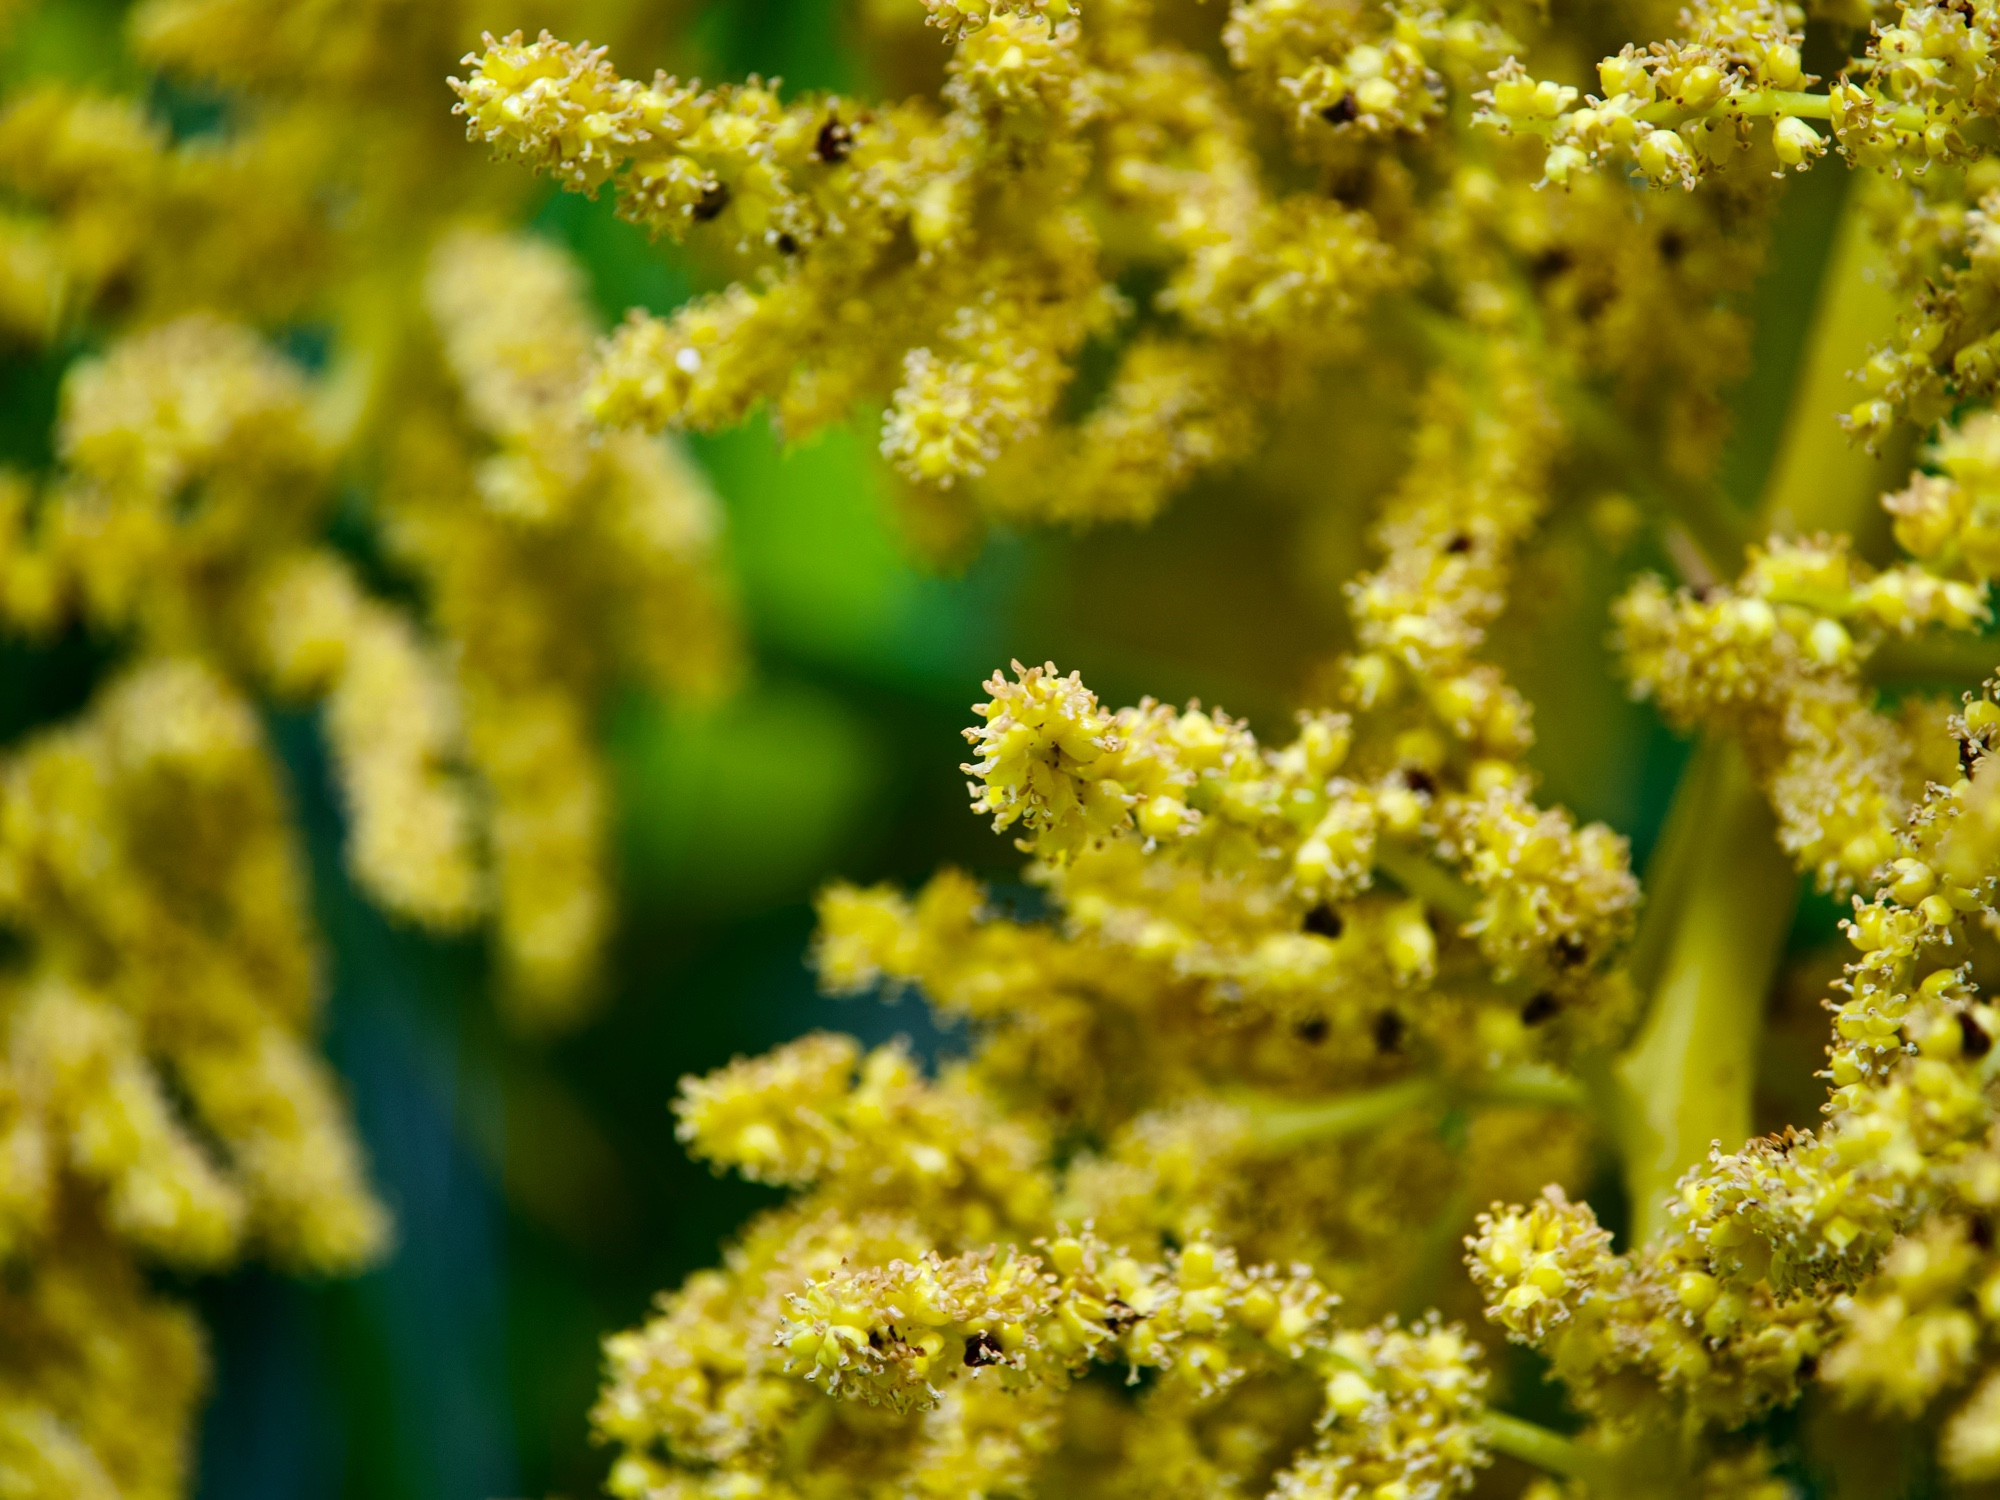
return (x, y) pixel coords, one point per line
(541, 1196)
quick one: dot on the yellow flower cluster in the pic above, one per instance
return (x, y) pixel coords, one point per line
(1944, 352)
(1340, 69)
(807, 1114)
(860, 220)
(1913, 103)
(1777, 658)
(1264, 1048)
(126, 223)
(558, 565)
(1269, 973)
(102, 1377)
(146, 852)
(923, 1306)
(1862, 1242)
(1946, 519)
(162, 1104)
(885, 1333)
(1622, 1330)
(1914, 97)
(1150, 822)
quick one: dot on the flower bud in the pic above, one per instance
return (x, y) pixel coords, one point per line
(1625, 74)
(1700, 87)
(1828, 643)
(1560, 162)
(1911, 880)
(1663, 155)
(1795, 142)
(1377, 96)
(1697, 1291)
(1410, 945)
(1783, 68)
(1162, 817)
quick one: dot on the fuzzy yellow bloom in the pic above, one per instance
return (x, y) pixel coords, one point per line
(247, 345)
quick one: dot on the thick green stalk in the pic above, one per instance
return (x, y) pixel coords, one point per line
(1538, 1446)
(1686, 1080)
(1284, 1125)
(1423, 877)
(1955, 659)
(1819, 478)
(1721, 893)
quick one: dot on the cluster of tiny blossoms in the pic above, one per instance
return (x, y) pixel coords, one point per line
(1226, 1111)
(163, 1107)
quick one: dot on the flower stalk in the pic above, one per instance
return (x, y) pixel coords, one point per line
(1721, 891)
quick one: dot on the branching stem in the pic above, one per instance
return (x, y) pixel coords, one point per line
(1538, 1446)
(1282, 1125)
(1956, 659)
(1426, 879)
(1721, 893)
(1686, 1080)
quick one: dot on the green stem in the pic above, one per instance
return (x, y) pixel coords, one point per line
(1953, 659)
(1820, 478)
(1668, 871)
(1538, 1446)
(1721, 893)
(1282, 1125)
(802, 1435)
(1430, 882)
(1686, 1080)
(1755, 104)
(1533, 1084)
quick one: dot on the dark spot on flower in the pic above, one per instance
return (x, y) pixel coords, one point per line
(1540, 1009)
(1459, 545)
(1570, 951)
(1672, 247)
(714, 199)
(875, 1338)
(1980, 1228)
(1808, 1366)
(1119, 1316)
(1976, 1042)
(1388, 1031)
(788, 245)
(1342, 110)
(1419, 780)
(1311, 1030)
(834, 142)
(1325, 922)
(1551, 263)
(982, 1349)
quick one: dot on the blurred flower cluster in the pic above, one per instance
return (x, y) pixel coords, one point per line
(260, 320)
